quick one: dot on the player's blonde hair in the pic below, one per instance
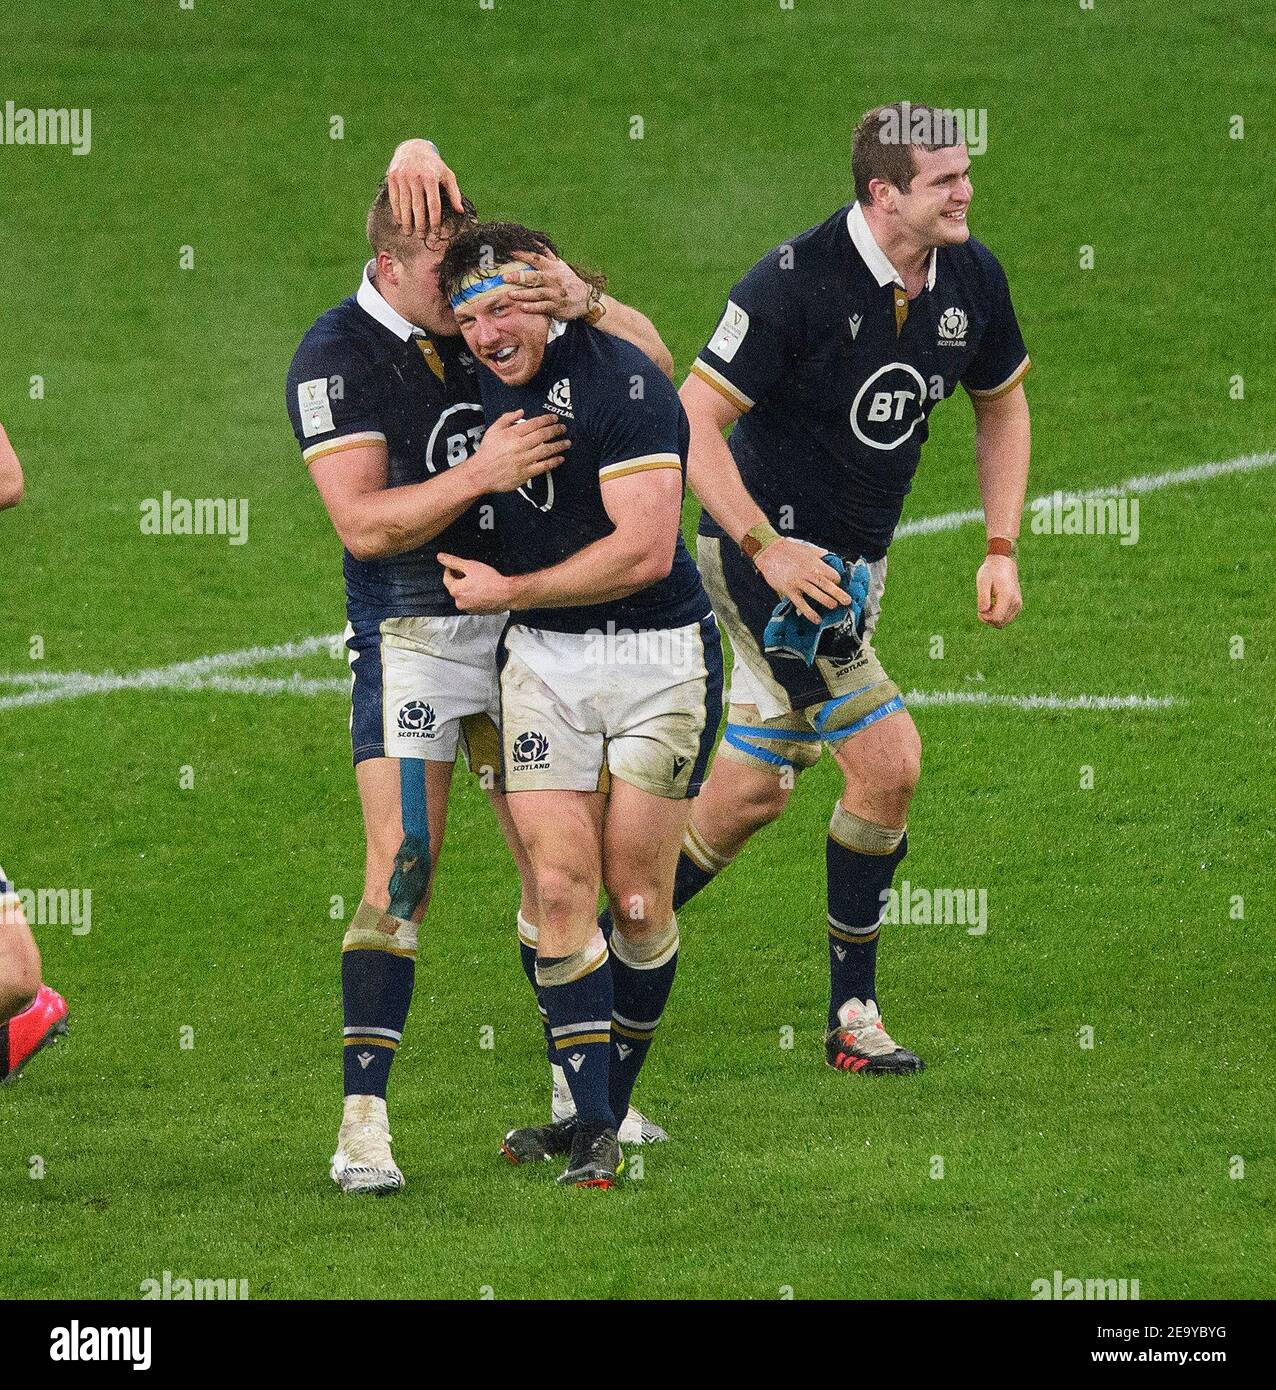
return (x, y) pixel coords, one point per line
(384, 233)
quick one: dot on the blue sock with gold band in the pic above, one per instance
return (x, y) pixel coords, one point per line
(642, 972)
(378, 968)
(576, 991)
(378, 955)
(861, 858)
(528, 936)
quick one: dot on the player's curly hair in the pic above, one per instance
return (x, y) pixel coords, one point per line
(488, 244)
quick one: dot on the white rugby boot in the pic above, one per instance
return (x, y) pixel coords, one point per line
(636, 1128)
(363, 1161)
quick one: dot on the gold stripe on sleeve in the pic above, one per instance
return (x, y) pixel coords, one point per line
(336, 446)
(721, 385)
(623, 467)
(1006, 386)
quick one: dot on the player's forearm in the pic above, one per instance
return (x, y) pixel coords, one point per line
(10, 473)
(397, 519)
(714, 478)
(624, 321)
(609, 569)
(1003, 447)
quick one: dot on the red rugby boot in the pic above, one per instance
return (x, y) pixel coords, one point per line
(26, 1033)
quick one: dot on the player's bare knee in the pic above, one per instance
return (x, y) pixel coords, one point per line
(765, 801)
(639, 905)
(885, 766)
(902, 771)
(888, 785)
(561, 887)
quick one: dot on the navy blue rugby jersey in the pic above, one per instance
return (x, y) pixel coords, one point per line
(837, 371)
(364, 373)
(587, 380)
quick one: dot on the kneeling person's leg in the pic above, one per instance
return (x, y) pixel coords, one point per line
(19, 956)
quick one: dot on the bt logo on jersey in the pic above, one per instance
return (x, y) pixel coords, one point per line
(889, 406)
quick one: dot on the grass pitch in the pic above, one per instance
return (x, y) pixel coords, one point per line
(204, 1152)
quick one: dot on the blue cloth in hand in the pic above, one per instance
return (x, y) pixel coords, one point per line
(790, 634)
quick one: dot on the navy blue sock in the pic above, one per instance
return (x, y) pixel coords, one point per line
(860, 870)
(576, 991)
(377, 975)
(688, 879)
(527, 957)
(641, 982)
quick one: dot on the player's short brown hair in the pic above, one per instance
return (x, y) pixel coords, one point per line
(876, 154)
(482, 246)
(384, 233)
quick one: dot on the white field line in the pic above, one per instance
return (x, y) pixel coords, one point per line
(206, 672)
(940, 699)
(1143, 482)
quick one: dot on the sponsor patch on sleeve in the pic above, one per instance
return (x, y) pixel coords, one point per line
(316, 408)
(730, 332)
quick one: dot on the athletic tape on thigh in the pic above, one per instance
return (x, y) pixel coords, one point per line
(788, 746)
(411, 877)
(852, 713)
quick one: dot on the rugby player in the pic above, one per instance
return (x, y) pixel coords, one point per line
(31, 1014)
(384, 403)
(610, 681)
(830, 355)
(418, 183)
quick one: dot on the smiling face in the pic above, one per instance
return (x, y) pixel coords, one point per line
(504, 337)
(933, 211)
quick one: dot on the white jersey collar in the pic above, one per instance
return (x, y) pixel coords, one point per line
(373, 302)
(874, 257)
